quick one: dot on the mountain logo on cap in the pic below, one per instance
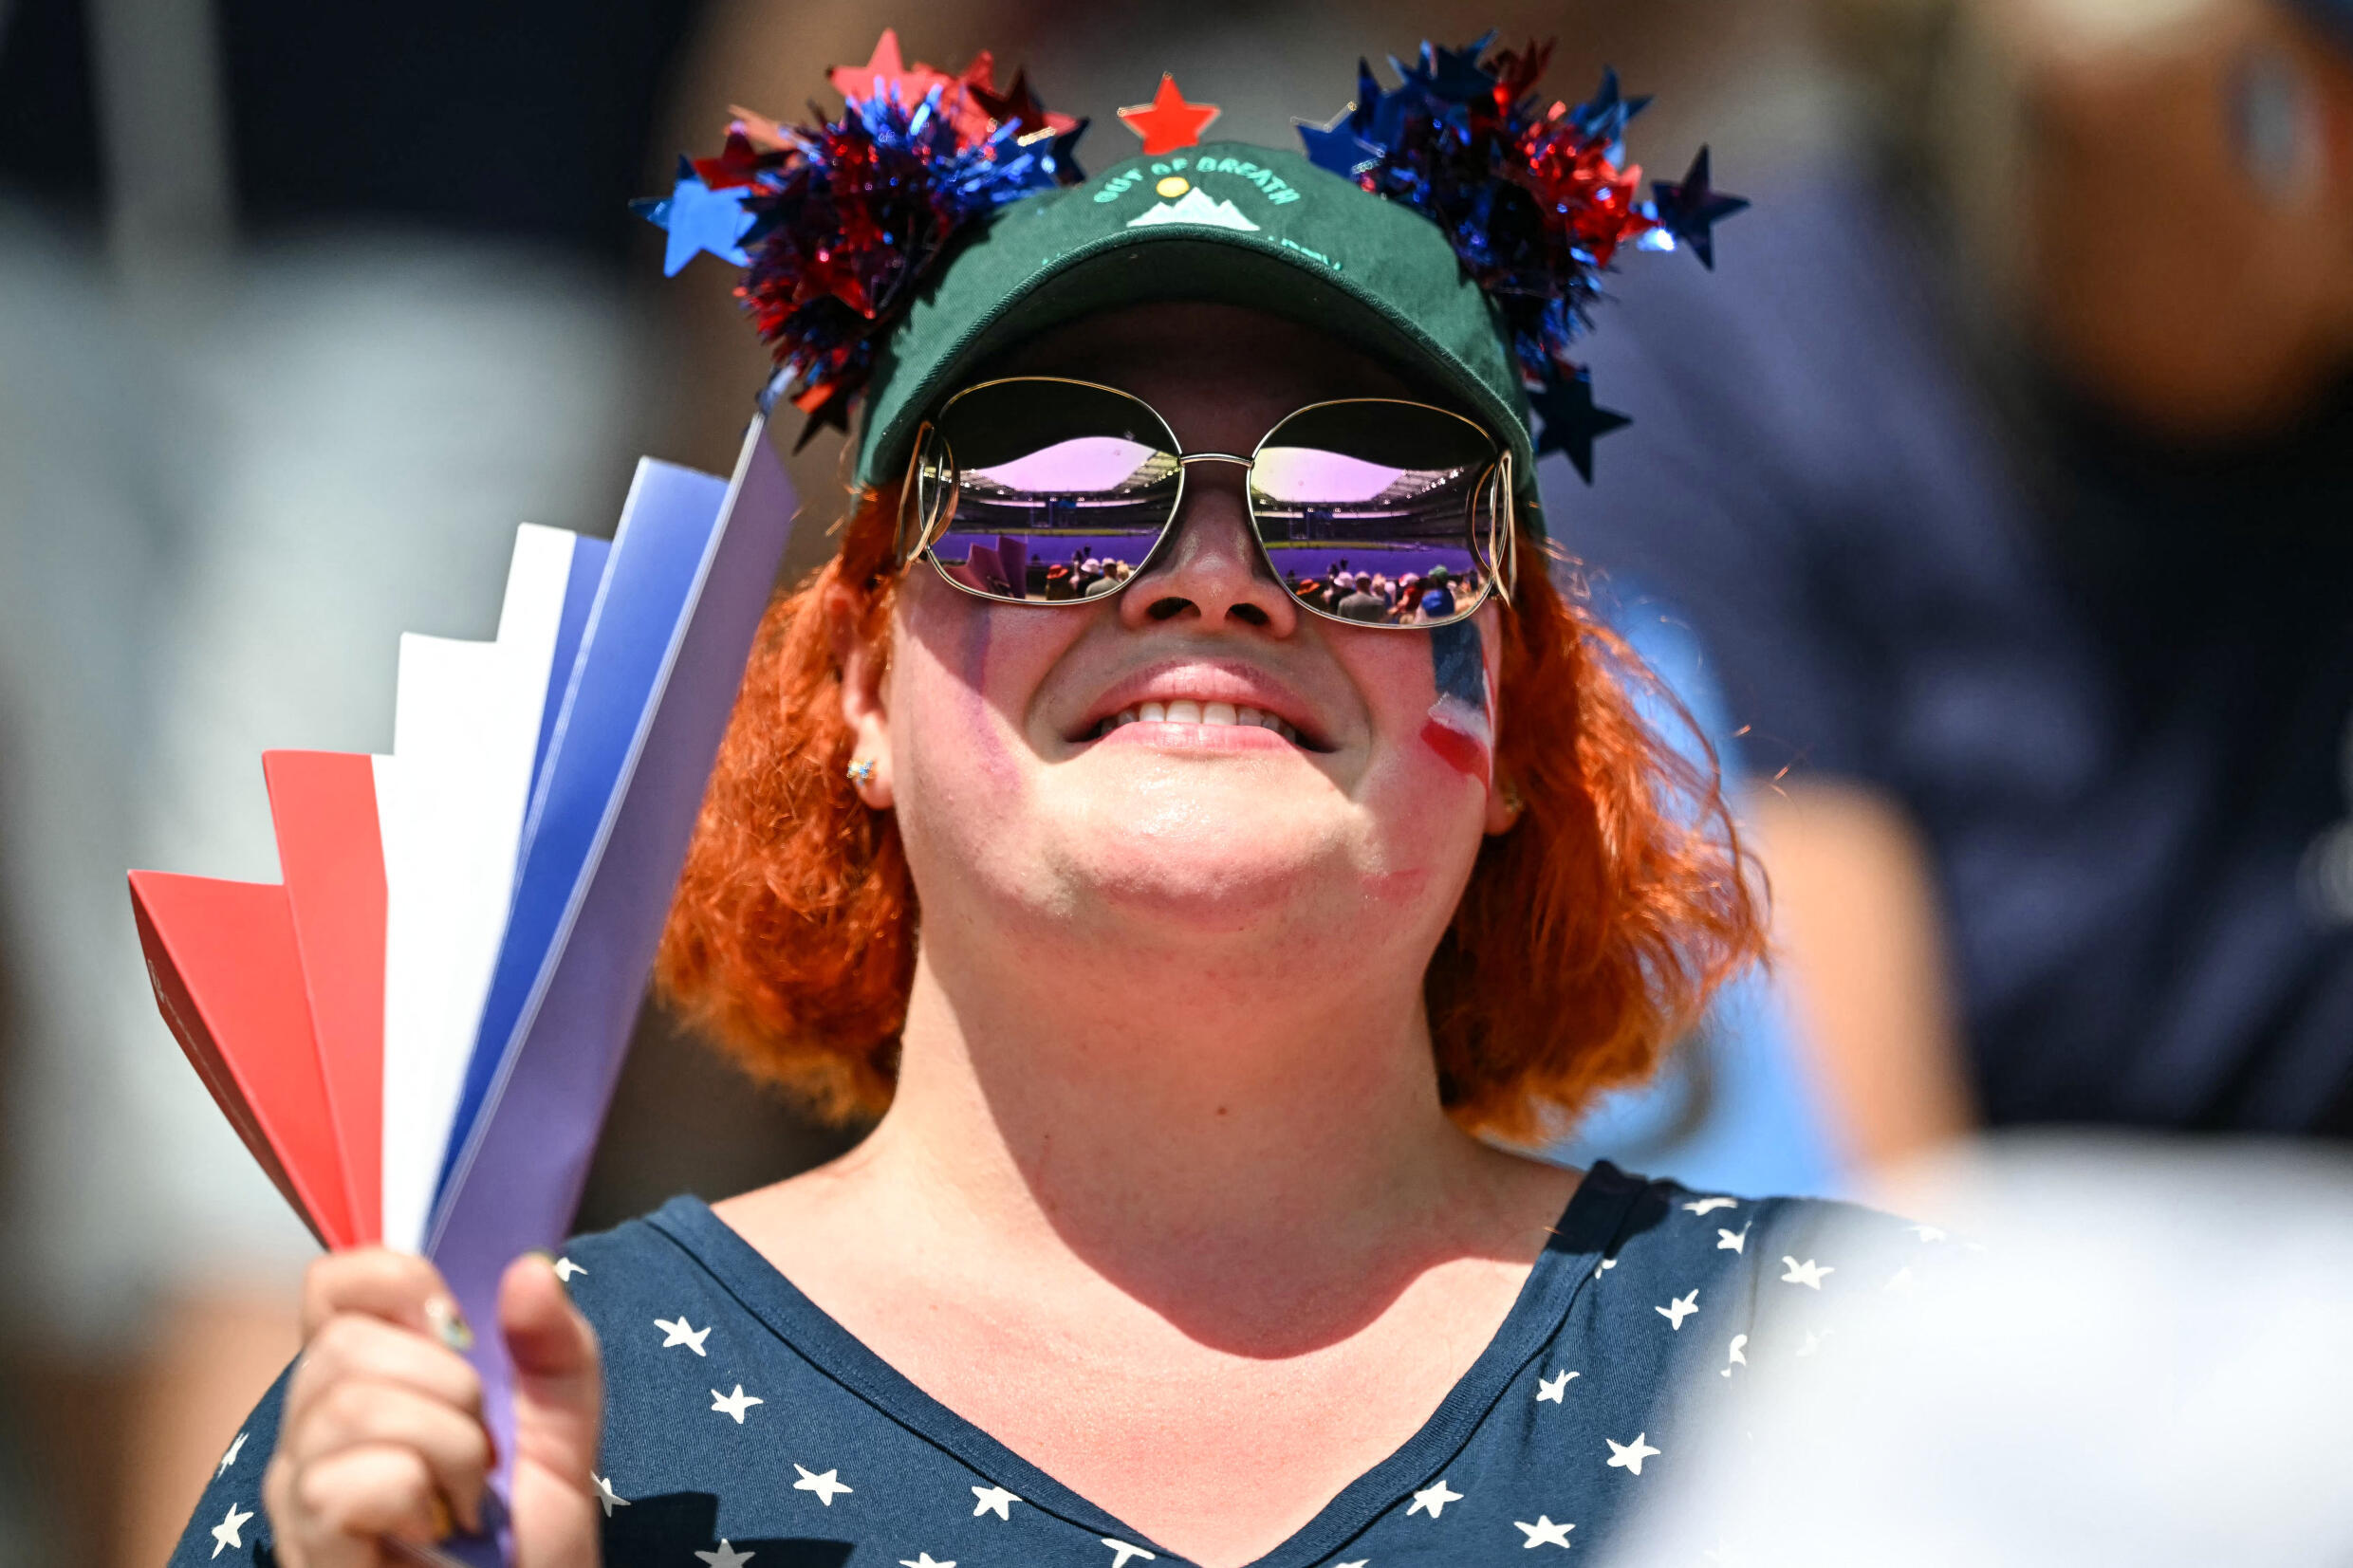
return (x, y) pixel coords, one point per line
(1195, 205)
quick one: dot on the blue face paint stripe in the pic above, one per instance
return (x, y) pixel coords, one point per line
(1460, 663)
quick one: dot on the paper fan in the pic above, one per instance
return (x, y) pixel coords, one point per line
(416, 1033)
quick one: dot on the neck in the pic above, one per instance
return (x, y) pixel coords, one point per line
(1247, 1117)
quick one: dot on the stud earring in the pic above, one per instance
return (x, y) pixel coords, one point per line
(861, 770)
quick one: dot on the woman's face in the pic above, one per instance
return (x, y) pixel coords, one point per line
(1021, 795)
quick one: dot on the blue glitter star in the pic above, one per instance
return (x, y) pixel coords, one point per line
(1455, 75)
(1380, 116)
(697, 220)
(1571, 420)
(1690, 210)
(1604, 115)
(1336, 146)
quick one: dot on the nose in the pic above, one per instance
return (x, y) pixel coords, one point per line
(1210, 569)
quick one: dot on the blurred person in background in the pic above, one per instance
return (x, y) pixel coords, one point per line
(2020, 533)
(301, 312)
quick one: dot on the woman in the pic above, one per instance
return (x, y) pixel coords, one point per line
(1176, 1239)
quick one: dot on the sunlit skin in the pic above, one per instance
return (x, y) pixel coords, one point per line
(1168, 835)
(1166, 1200)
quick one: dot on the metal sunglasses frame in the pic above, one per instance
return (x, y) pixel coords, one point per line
(1498, 560)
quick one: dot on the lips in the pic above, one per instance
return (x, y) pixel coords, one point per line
(1216, 704)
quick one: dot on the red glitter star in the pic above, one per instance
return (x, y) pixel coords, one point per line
(1168, 121)
(910, 83)
(739, 162)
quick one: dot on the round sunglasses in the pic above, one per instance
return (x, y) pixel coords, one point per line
(1378, 511)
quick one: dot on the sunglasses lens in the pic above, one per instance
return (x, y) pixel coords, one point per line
(1371, 509)
(1060, 490)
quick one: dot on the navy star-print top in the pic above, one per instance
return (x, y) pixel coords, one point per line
(740, 1419)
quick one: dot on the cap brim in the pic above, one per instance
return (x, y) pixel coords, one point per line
(1162, 267)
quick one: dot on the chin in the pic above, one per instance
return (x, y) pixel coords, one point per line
(1209, 862)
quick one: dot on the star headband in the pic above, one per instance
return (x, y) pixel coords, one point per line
(836, 225)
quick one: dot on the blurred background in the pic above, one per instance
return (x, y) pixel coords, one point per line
(1989, 509)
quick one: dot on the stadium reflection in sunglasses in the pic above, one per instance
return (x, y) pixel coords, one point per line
(1036, 489)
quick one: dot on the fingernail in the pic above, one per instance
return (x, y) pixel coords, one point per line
(443, 1525)
(449, 1324)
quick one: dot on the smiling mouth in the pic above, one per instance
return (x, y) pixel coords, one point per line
(1209, 715)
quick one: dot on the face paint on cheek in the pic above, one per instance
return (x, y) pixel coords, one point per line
(979, 724)
(1396, 887)
(1460, 728)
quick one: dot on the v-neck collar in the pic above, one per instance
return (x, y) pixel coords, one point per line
(1588, 1227)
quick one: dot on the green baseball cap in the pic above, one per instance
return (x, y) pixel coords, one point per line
(1225, 223)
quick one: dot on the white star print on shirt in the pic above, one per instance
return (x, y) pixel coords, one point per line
(225, 1533)
(230, 1458)
(1554, 1388)
(1607, 1263)
(1809, 1273)
(1434, 1499)
(1926, 1232)
(1734, 1359)
(1709, 1205)
(996, 1500)
(606, 1497)
(1727, 1241)
(823, 1486)
(566, 1269)
(1680, 1308)
(679, 1333)
(924, 1560)
(1121, 1551)
(1900, 1282)
(1629, 1456)
(1544, 1533)
(727, 1556)
(735, 1403)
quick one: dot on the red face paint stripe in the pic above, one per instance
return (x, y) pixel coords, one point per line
(1464, 753)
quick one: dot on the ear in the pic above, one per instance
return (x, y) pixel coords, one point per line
(864, 700)
(1503, 805)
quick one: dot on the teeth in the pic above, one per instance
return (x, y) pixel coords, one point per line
(1189, 710)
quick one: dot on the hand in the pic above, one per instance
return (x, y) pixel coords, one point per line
(383, 1439)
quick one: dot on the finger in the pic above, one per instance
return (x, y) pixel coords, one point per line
(297, 1542)
(359, 1415)
(337, 1508)
(396, 1286)
(559, 1387)
(351, 1346)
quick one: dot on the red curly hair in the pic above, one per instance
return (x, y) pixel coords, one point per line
(1589, 939)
